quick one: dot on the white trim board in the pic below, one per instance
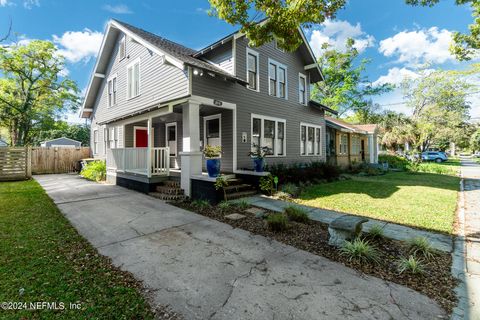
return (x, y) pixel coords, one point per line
(167, 125)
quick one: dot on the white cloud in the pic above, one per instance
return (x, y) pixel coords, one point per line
(78, 46)
(396, 76)
(118, 9)
(419, 47)
(336, 34)
(4, 3)
(29, 4)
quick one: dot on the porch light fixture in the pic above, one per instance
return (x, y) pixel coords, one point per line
(197, 72)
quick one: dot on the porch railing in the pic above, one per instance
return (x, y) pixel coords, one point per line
(135, 160)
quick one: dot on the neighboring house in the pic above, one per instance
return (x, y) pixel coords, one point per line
(154, 104)
(3, 143)
(61, 142)
(348, 144)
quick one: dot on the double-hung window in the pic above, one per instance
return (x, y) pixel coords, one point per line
(343, 144)
(252, 70)
(268, 132)
(113, 138)
(302, 89)
(105, 140)
(122, 48)
(277, 79)
(133, 79)
(310, 140)
(95, 141)
(112, 91)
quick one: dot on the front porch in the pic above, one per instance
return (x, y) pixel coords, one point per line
(166, 144)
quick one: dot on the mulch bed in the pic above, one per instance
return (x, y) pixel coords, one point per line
(436, 282)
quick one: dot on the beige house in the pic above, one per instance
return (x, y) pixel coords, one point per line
(349, 144)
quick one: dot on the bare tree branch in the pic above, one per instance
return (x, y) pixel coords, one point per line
(7, 35)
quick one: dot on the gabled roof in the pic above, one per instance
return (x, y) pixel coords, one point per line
(348, 127)
(174, 53)
(61, 138)
(317, 105)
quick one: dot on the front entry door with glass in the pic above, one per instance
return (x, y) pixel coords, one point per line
(213, 130)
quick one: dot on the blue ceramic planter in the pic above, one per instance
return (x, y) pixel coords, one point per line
(258, 164)
(213, 167)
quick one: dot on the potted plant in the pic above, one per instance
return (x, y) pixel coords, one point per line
(212, 156)
(259, 157)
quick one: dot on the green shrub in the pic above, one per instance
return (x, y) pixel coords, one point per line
(437, 168)
(304, 172)
(291, 189)
(283, 196)
(221, 183)
(267, 184)
(277, 222)
(224, 206)
(95, 171)
(421, 246)
(413, 165)
(394, 161)
(360, 250)
(201, 204)
(411, 265)
(298, 214)
(376, 232)
(241, 204)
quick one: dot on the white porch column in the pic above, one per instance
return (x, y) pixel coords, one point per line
(149, 147)
(191, 155)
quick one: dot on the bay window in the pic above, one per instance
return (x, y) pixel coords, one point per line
(310, 140)
(277, 79)
(268, 132)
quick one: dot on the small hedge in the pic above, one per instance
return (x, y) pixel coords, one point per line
(304, 172)
(95, 171)
(393, 161)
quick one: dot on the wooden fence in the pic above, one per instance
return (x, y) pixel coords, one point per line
(15, 164)
(57, 159)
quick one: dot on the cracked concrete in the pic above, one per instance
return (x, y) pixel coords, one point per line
(205, 269)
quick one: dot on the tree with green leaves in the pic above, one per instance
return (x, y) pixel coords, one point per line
(438, 100)
(280, 20)
(346, 88)
(33, 94)
(475, 141)
(464, 45)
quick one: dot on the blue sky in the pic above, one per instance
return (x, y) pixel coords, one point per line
(396, 37)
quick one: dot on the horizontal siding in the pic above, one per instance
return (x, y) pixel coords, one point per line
(158, 82)
(262, 103)
(222, 56)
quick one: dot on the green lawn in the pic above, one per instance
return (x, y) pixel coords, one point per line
(43, 255)
(421, 200)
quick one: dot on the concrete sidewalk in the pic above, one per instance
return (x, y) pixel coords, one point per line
(466, 256)
(205, 269)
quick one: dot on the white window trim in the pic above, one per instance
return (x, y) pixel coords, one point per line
(255, 53)
(105, 139)
(113, 76)
(340, 152)
(314, 126)
(95, 144)
(130, 65)
(205, 119)
(167, 125)
(277, 47)
(278, 64)
(262, 131)
(124, 40)
(304, 77)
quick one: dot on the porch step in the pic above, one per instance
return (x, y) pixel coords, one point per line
(169, 190)
(241, 194)
(167, 197)
(238, 187)
(172, 184)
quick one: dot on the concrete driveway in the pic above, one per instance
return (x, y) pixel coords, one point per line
(205, 269)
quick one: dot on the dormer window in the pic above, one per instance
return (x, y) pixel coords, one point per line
(252, 70)
(123, 48)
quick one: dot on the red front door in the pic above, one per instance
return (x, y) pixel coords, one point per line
(141, 138)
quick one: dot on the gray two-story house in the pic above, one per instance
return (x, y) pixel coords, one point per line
(154, 104)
